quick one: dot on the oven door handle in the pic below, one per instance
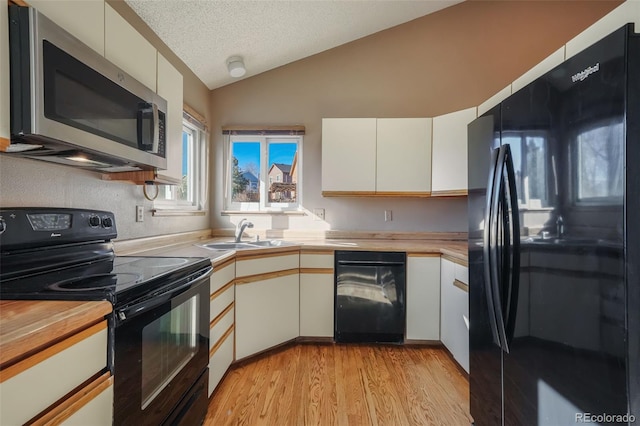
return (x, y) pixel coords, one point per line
(161, 296)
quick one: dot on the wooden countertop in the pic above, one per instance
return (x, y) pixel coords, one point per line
(27, 326)
(455, 250)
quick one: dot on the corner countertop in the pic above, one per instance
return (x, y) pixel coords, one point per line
(455, 250)
(28, 326)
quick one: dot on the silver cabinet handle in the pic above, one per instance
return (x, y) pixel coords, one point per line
(466, 321)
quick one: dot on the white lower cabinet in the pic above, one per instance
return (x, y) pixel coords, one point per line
(454, 310)
(316, 294)
(220, 361)
(267, 312)
(423, 297)
(222, 321)
(31, 386)
(92, 405)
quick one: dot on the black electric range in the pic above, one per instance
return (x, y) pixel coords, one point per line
(67, 254)
(158, 342)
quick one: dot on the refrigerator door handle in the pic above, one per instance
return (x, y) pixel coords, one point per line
(496, 238)
(514, 248)
(488, 250)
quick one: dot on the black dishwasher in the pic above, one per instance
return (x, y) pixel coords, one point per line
(370, 296)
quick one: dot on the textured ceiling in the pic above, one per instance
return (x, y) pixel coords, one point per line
(266, 33)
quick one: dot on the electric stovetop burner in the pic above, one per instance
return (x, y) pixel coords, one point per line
(118, 279)
(95, 282)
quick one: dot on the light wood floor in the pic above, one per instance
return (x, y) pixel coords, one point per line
(326, 384)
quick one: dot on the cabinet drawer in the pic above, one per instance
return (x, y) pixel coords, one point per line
(222, 277)
(266, 264)
(220, 327)
(220, 362)
(49, 375)
(91, 405)
(220, 302)
(462, 273)
(316, 261)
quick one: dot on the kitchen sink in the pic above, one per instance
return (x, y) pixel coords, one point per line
(230, 245)
(270, 243)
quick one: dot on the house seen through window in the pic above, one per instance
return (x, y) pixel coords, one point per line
(263, 172)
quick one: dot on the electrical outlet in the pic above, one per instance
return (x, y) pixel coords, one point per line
(388, 216)
(139, 213)
(318, 214)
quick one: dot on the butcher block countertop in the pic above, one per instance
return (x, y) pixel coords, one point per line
(28, 326)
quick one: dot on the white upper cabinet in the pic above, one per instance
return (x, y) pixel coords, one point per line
(494, 100)
(547, 64)
(349, 154)
(449, 160)
(128, 49)
(403, 151)
(368, 156)
(83, 19)
(171, 89)
(629, 11)
(4, 79)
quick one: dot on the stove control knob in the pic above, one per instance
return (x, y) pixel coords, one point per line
(94, 221)
(122, 316)
(3, 226)
(107, 222)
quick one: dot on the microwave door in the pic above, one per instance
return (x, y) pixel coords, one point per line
(148, 127)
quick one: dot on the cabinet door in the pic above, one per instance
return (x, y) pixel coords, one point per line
(316, 304)
(628, 11)
(450, 152)
(4, 79)
(267, 313)
(316, 294)
(35, 383)
(82, 19)
(454, 308)
(349, 155)
(423, 297)
(128, 49)
(403, 148)
(170, 88)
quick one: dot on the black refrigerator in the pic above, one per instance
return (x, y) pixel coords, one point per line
(554, 245)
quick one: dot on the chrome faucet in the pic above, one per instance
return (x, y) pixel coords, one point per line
(240, 228)
(560, 226)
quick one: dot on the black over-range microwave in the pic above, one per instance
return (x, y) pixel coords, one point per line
(70, 105)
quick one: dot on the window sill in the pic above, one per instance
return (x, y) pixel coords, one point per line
(177, 212)
(262, 212)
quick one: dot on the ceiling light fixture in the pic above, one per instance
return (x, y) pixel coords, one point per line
(235, 65)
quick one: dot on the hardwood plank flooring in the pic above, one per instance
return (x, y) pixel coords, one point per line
(327, 384)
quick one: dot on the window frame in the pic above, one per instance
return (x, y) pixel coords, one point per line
(263, 205)
(198, 171)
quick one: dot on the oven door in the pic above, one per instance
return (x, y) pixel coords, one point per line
(161, 349)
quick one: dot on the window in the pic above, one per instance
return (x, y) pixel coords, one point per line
(190, 193)
(263, 172)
